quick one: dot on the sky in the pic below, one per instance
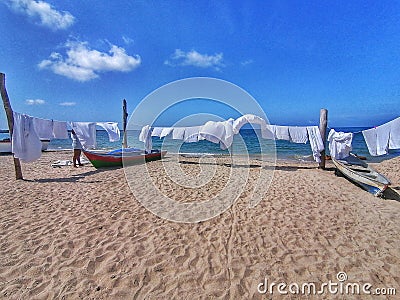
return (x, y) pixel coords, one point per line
(77, 60)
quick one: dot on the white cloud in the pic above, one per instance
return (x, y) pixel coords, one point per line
(82, 63)
(247, 62)
(35, 101)
(127, 40)
(194, 58)
(46, 14)
(68, 103)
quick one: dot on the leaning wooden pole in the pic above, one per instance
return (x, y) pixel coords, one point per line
(10, 119)
(323, 123)
(124, 118)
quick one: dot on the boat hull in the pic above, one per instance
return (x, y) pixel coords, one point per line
(5, 146)
(362, 174)
(45, 144)
(107, 160)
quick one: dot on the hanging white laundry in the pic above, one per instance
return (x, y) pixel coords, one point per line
(282, 133)
(213, 132)
(382, 139)
(43, 128)
(86, 133)
(394, 139)
(157, 131)
(25, 142)
(60, 130)
(112, 130)
(191, 134)
(218, 133)
(239, 123)
(228, 139)
(371, 140)
(166, 131)
(298, 134)
(317, 145)
(145, 137)
(339, 144)
(178, 133)
(268, 131)
(248, 118)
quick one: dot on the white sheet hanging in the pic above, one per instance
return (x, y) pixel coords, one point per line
(218, 133)
(212, 131)
(339, 144)
(228, 140)
(25, 142)
(382, 139)
(298, 134)
(268, 131)
(86, 133)
(49, 129)
(370, 139)
(248, 118)
(317, 145)
(282, 133)
(112, 130)
(43, 128)
(157, 131)
(60, 130)
(145, 137)
(394, 139)
(178, 133)
(191, 134)
(166, 131)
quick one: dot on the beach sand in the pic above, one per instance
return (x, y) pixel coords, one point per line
(80, 233)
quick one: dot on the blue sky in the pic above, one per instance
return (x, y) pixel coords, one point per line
(77, 60)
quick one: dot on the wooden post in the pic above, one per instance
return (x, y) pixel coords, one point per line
(124, 118)
(10, 119)
(323, 122)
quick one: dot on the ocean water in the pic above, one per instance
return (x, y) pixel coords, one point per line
(249, 141)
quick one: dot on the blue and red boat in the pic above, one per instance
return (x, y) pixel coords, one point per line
(120, 157)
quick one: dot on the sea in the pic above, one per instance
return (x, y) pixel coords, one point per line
(248, 141)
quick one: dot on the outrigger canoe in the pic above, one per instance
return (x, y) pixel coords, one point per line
(362, 174)
(116, 158)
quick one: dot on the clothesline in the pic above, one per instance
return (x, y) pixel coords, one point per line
(28, 131)
(222, 133)
(382, 138)
(379, 139)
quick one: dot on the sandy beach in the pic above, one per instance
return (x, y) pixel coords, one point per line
(80, 233)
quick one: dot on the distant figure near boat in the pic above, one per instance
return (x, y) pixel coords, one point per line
(77, 146)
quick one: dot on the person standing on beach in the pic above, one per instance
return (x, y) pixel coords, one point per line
(77, 146)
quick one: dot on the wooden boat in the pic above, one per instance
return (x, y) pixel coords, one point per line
(362, 174)
(116, 158)
(45, 144)
(5, 145)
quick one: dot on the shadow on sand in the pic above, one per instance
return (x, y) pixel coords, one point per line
(184, 162)
(74, 177)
